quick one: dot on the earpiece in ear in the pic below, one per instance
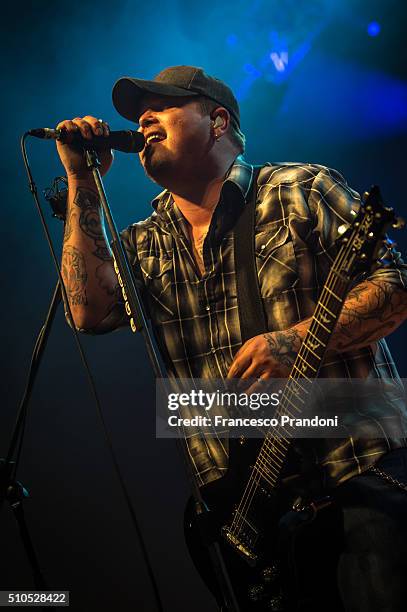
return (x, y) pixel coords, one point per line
(218, 122)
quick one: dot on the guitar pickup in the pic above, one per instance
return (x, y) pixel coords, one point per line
(240, 547)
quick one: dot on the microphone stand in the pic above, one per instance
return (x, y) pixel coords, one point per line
(139, 322)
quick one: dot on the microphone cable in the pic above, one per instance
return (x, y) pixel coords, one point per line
(22, 414)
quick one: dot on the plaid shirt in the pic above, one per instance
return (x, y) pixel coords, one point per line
(299, 210)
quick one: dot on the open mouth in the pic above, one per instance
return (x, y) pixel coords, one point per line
(153, 138)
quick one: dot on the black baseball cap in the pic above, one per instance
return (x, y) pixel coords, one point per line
(174, 81)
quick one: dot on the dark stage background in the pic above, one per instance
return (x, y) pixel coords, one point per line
(319, 81)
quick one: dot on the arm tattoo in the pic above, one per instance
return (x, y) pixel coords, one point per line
(90, 220)
(372, 310)
(75, 276)
(284, 345)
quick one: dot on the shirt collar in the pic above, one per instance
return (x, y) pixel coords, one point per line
(239, 174)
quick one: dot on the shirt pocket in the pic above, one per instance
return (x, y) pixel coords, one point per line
(276, 262)
(158, 276)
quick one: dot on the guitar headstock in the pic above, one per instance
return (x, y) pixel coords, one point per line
(365, 237)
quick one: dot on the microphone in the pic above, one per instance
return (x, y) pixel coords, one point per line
(126, 141)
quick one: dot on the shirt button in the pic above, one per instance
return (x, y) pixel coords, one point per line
(207, 307)
(263, 246)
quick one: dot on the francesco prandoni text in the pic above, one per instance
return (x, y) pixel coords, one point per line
(282, 420)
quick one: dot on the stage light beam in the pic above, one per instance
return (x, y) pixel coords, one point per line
(373, 29)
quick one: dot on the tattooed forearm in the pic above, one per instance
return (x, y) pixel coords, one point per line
(284, 345)
(372, 310)
(75, 276)
(90, 220)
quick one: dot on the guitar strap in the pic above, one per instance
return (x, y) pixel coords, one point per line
(252, 316)
(250, 307)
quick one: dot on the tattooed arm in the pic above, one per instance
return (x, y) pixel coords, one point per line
(87, 268)
(373, 309)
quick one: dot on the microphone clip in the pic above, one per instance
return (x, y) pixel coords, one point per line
(57, 196)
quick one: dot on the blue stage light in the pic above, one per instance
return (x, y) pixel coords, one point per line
(373, 29)
(280, 60)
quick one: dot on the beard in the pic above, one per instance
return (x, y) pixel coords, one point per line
(157, 165)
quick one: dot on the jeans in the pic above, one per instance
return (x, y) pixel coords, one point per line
(372, 567)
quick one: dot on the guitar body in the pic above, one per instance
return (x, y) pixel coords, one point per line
(288, 574)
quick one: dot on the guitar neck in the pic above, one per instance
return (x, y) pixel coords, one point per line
(314, 346)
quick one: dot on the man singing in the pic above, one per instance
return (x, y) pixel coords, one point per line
(183, 255)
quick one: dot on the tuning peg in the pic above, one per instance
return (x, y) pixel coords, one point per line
(342, 228)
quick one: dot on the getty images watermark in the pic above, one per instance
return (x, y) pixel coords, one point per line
(217, 400)
(305, 409)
